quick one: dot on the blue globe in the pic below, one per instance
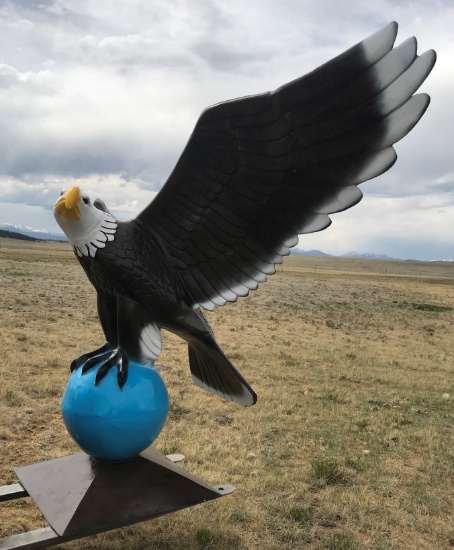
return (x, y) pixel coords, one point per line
(113, 424)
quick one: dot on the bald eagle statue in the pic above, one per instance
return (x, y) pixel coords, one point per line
(256, 172)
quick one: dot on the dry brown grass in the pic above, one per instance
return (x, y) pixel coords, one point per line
(344, 358)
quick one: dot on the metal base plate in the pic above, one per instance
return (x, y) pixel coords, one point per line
(79, 496)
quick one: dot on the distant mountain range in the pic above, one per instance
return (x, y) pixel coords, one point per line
(40, 234)
(16, 231)
(362, 255)
(359, 255)
(13, 235)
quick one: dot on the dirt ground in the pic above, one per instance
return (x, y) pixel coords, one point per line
(350, 445)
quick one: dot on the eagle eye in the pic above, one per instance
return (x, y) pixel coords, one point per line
(99, 204)
(86, 200)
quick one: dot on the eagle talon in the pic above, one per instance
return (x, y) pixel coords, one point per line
(115, 359)
(95, 354)
(122, 371)
(105, 358)
(93, 361)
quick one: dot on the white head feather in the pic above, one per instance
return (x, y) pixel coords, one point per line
(86, 226)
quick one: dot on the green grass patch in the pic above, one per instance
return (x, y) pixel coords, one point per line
(203, 538)
(12, 399)
(300, 515)
(342, 541)
(422, 307)
(327, 472)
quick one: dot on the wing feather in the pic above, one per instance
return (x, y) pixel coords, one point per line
(259, 170)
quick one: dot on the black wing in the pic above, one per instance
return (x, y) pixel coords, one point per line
(260, 170)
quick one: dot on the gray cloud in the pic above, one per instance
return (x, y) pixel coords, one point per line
(416, 247)
(445, 188)
(107, 93)
(228, 58)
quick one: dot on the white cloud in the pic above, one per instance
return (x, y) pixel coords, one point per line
(44, 191)
(394, 226)
(105, 93)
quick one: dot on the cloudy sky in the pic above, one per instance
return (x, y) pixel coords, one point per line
(105, 93)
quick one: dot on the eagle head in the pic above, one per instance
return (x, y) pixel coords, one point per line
(88, 226)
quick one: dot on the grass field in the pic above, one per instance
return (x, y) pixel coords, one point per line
(350, 445)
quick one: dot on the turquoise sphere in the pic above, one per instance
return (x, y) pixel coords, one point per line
(113, 424)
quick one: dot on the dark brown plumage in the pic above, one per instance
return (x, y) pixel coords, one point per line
(256, 172)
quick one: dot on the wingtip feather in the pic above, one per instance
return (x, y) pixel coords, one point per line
(381, 42)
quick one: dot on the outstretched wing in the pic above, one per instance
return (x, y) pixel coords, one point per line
(260, 170)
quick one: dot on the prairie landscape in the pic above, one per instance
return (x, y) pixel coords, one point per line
(350, 445)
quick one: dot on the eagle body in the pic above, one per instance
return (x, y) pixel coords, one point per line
(139, 292)
(136, 265)
(257, 172)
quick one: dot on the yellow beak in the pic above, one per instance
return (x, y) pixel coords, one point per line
(68, 205)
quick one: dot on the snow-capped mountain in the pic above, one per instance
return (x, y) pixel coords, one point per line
(31, 232)
(300, 252)
(50, 236)
(359, 255)
(367, 256)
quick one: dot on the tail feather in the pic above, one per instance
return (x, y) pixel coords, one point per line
(212, 371)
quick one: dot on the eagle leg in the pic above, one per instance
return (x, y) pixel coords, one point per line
(91, 355)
